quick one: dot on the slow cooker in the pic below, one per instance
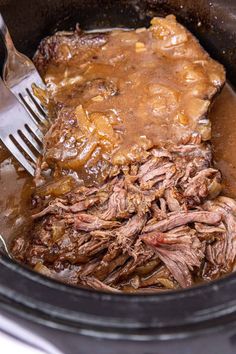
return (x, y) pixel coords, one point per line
(64, 319)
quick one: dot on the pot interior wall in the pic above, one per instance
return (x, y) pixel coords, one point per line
(212, 21)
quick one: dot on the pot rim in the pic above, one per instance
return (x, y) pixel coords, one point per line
(35, 296)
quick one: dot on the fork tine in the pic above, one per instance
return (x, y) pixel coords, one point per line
(36, 101)
(31, 140)
(18, 155)
(25, 147)
(32, 126)
(32, 108)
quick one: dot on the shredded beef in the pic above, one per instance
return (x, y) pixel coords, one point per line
(108, 236)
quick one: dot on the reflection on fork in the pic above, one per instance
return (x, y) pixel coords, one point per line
(22, 116)
(20, 75)
(3, 247)
(18, 131)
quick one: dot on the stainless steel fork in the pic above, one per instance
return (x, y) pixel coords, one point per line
(19, 75)
(18, 131)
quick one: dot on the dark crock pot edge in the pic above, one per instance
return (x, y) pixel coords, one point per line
(172, 314)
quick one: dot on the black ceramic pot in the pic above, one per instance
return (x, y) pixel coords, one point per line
(64, 319)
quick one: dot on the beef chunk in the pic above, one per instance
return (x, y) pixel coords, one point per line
(115, 95)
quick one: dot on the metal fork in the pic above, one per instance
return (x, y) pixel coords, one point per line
(18, 131)
(19, 75)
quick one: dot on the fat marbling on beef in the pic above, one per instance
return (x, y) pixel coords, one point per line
(133, 200)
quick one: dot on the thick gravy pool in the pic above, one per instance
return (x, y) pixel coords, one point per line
(223, 118)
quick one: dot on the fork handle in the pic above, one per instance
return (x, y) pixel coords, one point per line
(6, 35)
(13, 58)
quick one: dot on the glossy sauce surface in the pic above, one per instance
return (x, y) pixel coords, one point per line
(121, 93)
(16, 188)
(223, 118)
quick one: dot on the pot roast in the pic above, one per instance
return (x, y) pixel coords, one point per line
(127, 197)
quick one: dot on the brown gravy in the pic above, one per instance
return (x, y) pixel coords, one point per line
(223, 118)
(119, 94)
(16, 189)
